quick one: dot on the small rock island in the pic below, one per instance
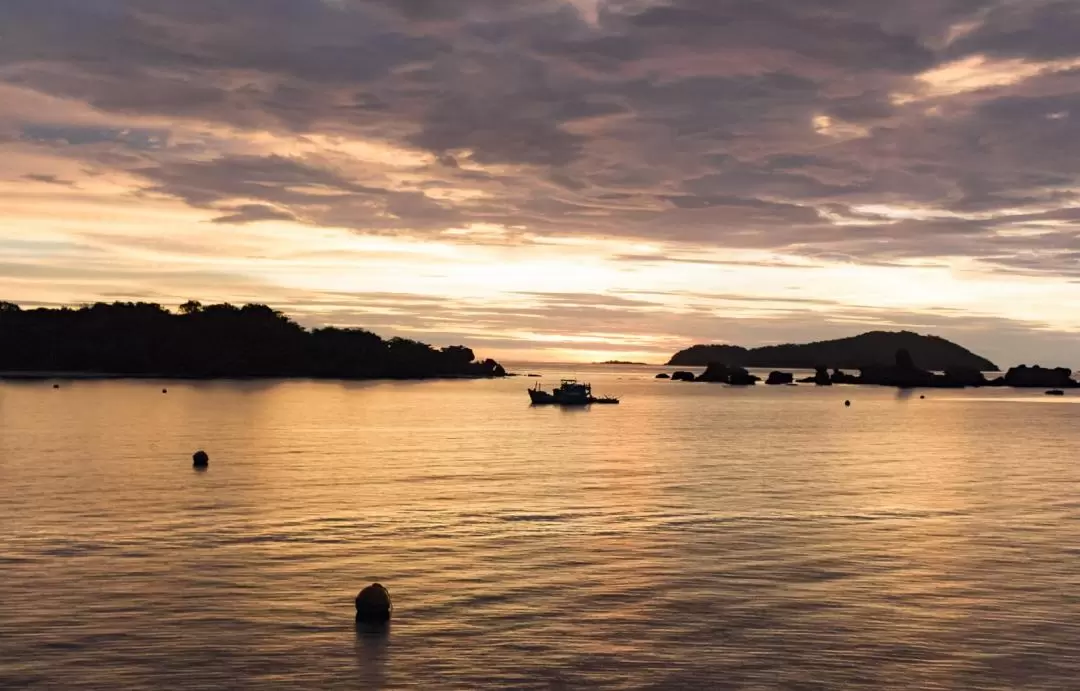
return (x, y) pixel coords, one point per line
(931, 362)
(874, 348)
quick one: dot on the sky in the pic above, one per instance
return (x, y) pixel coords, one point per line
(557, 180)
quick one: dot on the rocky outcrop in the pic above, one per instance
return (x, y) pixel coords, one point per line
(780, 378)
(663, 376)
(683, 376)
(841, 377)
(822, 378)
(1040, 377)
(964, 376)
(903, 374)
(717, 373)
(741, 377)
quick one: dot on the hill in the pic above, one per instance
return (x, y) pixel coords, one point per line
(875, 348)
(145, 339)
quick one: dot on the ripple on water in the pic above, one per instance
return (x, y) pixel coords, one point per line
(694, 538)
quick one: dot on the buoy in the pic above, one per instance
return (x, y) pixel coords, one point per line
(164, 391)
(56, 386)
(922, 398)
(373, 604)
(847, 403)
(201, 459)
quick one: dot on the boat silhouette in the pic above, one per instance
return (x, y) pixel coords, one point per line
(569, 392)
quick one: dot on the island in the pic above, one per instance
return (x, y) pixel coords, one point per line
(141, 339)
(903, 373)
(868, 350)
(622, 362)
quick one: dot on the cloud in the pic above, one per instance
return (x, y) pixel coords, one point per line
(253, 213)
(48, 179)
(816, 132)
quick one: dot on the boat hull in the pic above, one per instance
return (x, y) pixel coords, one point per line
(539, 397)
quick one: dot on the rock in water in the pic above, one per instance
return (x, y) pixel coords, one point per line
(847, 404)
(663, 376)
(821, 377)
(164, 391)
(373, 604)
(682, 376)
(780, 378)
(201, 459)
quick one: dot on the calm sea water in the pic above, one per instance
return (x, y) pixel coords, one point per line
(694, 536)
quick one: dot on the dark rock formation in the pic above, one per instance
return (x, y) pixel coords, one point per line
(740, 377)
(683, 376)
(873, 349)
(821, 377)
(780, 378)
(200, 459)
(717, 373)
(490, 368)
(663, 376)
(1055, 392)
(1040, 377)
(847, 404)
(964, 376)
(903, 373)
(840, 377)
(373, 604)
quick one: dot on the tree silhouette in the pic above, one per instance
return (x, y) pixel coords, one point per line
(221, 340)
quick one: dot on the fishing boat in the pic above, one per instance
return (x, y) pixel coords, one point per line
(569, 392)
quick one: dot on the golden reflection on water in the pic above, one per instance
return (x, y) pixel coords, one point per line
(695, 533)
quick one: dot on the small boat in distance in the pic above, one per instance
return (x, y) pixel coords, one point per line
(570, 392)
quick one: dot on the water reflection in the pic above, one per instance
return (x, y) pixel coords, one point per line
(373, 653)
(765, 537)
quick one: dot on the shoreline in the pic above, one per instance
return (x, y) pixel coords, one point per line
(109, 376)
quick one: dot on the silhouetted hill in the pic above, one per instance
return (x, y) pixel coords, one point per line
(145, 339)
(875, 348)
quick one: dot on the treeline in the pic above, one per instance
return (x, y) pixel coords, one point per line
(208, 341)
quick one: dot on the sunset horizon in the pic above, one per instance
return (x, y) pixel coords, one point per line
(557, 181)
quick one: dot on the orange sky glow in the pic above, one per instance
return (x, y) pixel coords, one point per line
(558, 204)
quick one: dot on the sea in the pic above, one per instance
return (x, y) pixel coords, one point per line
(694, 536)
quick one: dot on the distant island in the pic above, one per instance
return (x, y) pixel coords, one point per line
(621, 362)
(868, 350)
(213, 341)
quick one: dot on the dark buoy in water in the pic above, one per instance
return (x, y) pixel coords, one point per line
(164, 391)
(922, 398)
(201, 459)
(847, 404)
(373, 604)
(56, 386)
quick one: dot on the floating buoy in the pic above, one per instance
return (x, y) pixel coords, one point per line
(373, 604)
(922, 398)
(56, 386)
(847, 403)
(164, 391)
(201, 459)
